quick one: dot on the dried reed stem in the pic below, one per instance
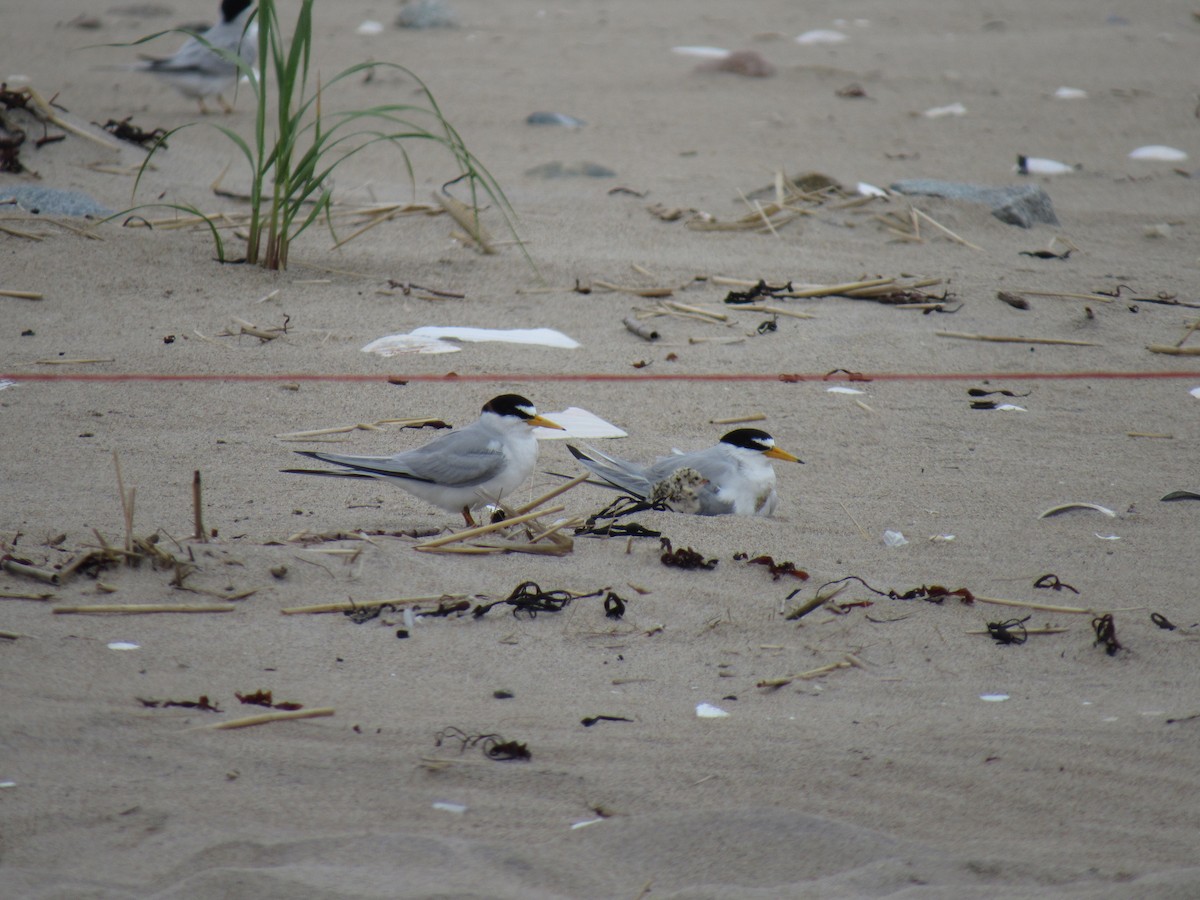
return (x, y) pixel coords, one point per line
(278, 716)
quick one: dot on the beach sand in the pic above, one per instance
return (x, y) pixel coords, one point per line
(889, 775)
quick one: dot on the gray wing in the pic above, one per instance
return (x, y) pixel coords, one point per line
(622, 473)
(458, 459)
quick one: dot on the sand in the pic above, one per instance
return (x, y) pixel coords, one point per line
(890, 776)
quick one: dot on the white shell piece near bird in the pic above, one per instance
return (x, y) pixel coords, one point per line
(708, 711)
(1159, 153)
(1065, 507)
(444, 806)
(123, 645)
(869, 190)
(1195, 392)
(704, 52)
(820, 36)
(578, 423)
(993, 698)
(843, 390)
(894, 538)
(370, 26)
(1070, 93)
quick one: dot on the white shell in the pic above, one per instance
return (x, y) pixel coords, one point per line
(1064, 507)
(894, 539)
(820, 36)
(708, 711)
(1159, 152)
(1070, 93)
(869, 190)
(704, 52)
(940, 112)
(370, 26)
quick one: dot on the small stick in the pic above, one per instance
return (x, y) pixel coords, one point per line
(73, 362)
(45, 111)
(1187, 334)
(946, 231)
(9, 595)
(649, 292)
(16, 568)
(1093, 297)
(1149, 434)
(696, 310)
(1174, 351)
(126, 504)
(1005, 339)
(726, 281)
(351, 605)
(486, 529)
(850, 516)
(645, 332)
(561, 489)
(806, 676)
(134, 609)
(21, 295)
(278, 716)
(775, 311)
(825, 290)
(734, 420)
(1041, 607)
(196, 508)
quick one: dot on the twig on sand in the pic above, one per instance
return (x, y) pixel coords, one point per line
(263, 718)
(1006, 339)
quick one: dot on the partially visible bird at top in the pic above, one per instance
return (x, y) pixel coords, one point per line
(197, 70)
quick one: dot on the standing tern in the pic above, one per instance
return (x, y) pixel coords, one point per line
(196, 70)
(460, 471)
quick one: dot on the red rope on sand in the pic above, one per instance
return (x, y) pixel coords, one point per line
(100, 377)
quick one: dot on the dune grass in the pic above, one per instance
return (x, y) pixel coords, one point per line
(297, 144)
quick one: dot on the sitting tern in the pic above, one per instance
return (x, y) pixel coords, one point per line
(733, 477)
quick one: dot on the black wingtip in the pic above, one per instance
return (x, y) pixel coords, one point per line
(577, 453)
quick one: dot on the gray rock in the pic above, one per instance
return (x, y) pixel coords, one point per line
(51, 201)
(554, 118)
(426, 14)
(1025, 205)
(571, 170)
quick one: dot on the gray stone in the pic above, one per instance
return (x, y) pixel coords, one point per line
(571, 170)
(426, 14)
(35, 198)
(1025, 205)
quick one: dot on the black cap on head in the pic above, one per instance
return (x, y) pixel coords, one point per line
(231, 9)
(749, 439)
(511, 405)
